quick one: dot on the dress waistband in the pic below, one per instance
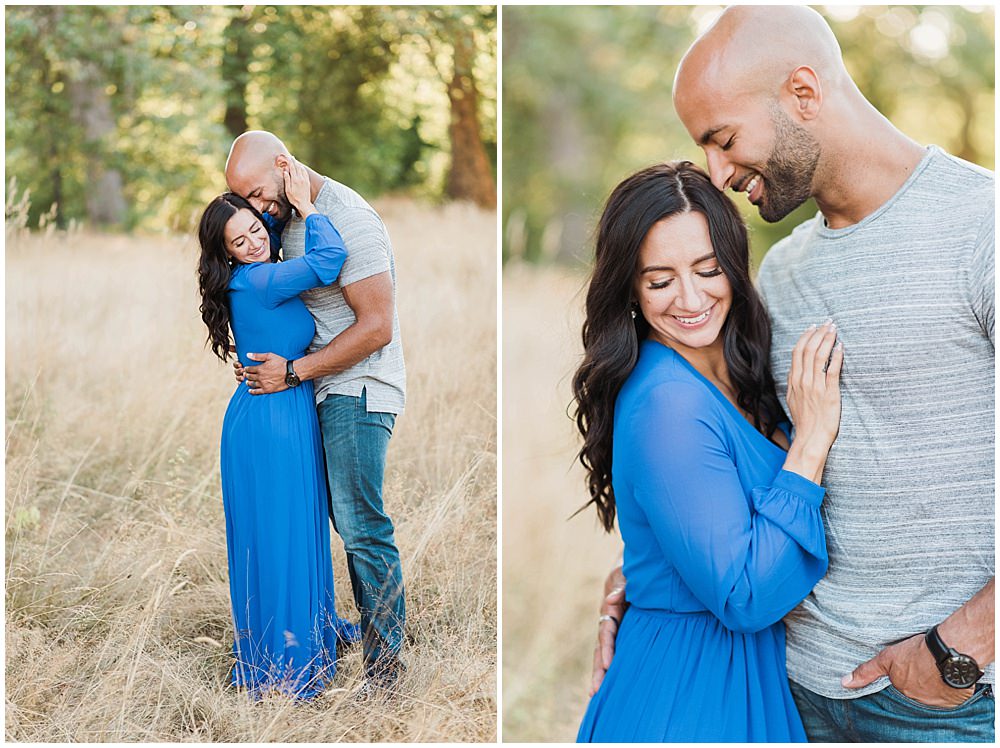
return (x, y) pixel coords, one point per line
(662, 613)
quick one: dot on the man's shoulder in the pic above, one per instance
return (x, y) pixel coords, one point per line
(356, 220)
(962, 170)
(338, 200)
(960, 185)
(786, 250)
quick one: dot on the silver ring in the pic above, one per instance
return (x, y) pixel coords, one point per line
(604, 618)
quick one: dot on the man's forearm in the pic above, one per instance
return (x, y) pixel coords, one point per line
(970, 629)
(354, 344)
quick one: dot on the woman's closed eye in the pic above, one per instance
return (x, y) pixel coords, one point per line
(239, 242)
(656, 285)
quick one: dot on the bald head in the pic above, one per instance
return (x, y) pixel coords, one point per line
(754, 49)
(253, 170)
(252, 152)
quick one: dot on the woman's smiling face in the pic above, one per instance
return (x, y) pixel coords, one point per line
(680, 287)
(246, 238)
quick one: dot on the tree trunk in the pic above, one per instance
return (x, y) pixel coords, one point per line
(470, 176)
(237, 52)
(90, 107)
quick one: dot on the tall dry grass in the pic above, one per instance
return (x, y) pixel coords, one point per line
(117, 600)
(553, 566)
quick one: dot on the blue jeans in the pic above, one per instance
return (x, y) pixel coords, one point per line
(355, 442)
(888, 716)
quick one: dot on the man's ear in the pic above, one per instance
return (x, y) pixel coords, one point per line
(804, 89)
(282, 161)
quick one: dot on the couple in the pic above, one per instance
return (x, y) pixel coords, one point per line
(725, 524)
(328, 382)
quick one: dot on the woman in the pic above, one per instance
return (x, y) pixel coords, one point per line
(684, 438)
(273, 480)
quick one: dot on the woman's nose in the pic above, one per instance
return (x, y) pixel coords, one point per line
(689, 298)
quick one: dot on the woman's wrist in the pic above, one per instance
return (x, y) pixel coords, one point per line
(807, 458)
(307, 210)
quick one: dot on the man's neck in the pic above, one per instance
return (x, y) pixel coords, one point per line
(316, 182)
(864, 169)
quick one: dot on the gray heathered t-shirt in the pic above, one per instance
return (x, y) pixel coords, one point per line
(909, 482)
(369, 252)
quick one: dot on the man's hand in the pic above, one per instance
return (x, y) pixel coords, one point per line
(268, 376)
(912, 670)
(613, 606)
(238, 371)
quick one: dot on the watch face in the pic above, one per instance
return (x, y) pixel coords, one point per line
(960, 671)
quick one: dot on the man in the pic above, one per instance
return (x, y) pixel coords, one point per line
(890, 643)
(356, 360)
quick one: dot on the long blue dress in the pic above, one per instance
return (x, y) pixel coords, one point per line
(720, 543)
(274, 484)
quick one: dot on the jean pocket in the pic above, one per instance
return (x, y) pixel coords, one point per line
(982, 690)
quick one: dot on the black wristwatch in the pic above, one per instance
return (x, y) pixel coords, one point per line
(957, 670)
(291, 378)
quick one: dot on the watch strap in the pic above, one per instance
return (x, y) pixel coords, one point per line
(939, 650)
(291, 378)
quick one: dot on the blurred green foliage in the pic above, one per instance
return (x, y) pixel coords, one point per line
(136, 100)
(587, 101)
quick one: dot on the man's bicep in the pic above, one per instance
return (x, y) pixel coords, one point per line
(371, 297)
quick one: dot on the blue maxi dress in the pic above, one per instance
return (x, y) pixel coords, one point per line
(720, 543)
(274, 486)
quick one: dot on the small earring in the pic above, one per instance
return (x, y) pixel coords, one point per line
(632, 312)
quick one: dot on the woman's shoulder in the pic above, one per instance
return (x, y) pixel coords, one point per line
(662, 383)
(238, 279)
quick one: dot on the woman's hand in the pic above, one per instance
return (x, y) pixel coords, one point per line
(814, 399)
(298, 191)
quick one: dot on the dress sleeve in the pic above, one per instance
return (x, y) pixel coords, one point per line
(276, 282)
(274, 228)
(749, 557)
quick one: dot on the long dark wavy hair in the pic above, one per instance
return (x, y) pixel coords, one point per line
(215, 267)
(611, 335)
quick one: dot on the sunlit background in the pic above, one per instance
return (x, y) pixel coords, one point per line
(122, 116)
(586, 101)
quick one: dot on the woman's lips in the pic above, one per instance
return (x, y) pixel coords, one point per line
(694, 321)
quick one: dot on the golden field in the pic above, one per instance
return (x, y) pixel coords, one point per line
(117, 599)
(553, 566)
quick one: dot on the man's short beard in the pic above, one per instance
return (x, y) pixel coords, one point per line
(788, 173)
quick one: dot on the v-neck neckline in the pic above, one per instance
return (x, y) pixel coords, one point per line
(719, 395)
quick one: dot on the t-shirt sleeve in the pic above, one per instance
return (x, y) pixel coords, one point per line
(367, 244)
(981, 274)
(749, 557)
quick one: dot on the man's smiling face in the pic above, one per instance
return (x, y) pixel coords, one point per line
(751, 146)
(263, 187)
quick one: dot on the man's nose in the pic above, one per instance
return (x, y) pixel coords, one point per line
(720, 170)
(257, 203)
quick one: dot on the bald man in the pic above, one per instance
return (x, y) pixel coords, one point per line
(356, 360)
(891, 645)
